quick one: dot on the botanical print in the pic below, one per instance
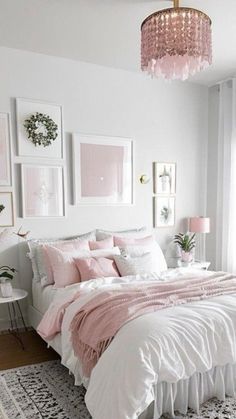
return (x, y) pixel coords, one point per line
(6, 209)
(43, 191)
(164, 211)
(165, 178)
(5, 165)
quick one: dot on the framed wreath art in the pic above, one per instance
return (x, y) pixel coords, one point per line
(41, 129)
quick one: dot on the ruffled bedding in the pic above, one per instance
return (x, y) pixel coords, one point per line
(162, 357)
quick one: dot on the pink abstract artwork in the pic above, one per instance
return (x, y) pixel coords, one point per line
(43, 192)
(103, 170)
(4, 151)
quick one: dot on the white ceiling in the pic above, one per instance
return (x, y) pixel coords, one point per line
(107, 32)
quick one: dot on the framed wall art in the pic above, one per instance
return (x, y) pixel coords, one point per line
(164, 211)
(39, 129)
(164, 178)
(103, 170)
(5, 151)
(6, 209)
(43, 191)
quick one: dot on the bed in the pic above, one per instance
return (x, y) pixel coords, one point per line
(210, 369)
(158, 362)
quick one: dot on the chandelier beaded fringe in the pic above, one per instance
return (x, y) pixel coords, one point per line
(176, 43)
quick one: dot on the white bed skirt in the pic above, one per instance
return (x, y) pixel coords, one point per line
(192, 392)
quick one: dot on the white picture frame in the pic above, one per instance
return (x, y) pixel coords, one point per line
(164, 211)
(24, 109)
(7, 216)
(103, 170)
(43, 191)
(164, 178)
(5, 150)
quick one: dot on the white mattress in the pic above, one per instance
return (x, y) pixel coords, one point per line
(42, 297)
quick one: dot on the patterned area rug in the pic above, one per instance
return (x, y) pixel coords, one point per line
(47, 391)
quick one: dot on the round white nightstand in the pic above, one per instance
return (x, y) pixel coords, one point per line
(14, 306)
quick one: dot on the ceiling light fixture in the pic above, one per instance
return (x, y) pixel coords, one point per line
(176, 42)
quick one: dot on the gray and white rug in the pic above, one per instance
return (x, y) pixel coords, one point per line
(47, 391)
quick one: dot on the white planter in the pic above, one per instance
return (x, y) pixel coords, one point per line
(186, 258)
(6, 288)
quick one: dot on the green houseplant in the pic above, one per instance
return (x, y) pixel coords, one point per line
(6, 276)
(187, 243)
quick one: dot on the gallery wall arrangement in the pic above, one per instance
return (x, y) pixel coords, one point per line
(103, 166)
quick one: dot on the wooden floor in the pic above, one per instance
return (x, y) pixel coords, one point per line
(12, 355)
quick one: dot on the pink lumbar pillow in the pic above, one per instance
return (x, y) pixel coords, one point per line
(63, 266)
(102, 244)
(92, 268)
(127, 241)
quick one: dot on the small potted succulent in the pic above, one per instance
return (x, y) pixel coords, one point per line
(6, 276)
(186, 243)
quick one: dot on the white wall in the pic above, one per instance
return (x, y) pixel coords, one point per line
(168, 122)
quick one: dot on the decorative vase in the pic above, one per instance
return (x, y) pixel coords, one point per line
(6, 288)
(186, 258)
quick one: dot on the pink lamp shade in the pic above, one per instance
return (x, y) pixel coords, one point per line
(199, 225)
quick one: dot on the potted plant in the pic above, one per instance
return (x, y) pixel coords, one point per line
(186, 243)
(6, 276)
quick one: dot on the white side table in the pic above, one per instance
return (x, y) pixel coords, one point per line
(13, 306)
(200, 265)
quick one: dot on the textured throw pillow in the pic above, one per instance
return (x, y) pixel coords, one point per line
(125, 241)
(44, 264)
(128, 265)
(62, 266)
(102, 244)
(92, 268)
(136, 232)
(155, 251)
(33, 245)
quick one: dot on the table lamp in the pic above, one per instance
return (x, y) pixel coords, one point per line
(201, 226)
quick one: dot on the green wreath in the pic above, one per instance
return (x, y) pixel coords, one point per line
(41, 129)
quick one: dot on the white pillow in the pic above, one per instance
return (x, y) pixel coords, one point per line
(105, 253)
(36, 256)
(137, 232)
(155, 251)
(128, 265)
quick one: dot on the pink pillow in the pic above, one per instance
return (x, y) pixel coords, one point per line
(71, 246)
(102, 244)
(127, 241)
(92, 268)
(62, 265)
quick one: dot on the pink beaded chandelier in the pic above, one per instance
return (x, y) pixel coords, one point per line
(176, 42)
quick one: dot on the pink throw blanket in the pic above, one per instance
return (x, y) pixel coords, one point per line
(96, 323)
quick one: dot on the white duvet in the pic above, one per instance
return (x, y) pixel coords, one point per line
(164, 346)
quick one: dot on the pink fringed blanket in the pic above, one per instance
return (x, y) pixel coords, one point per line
(96, 323)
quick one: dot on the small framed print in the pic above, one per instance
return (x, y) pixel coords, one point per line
(43, 191)
(164, 211)
(5, 150)
(164, 178)
(103, 170)
(49, 124)
(6, 209)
